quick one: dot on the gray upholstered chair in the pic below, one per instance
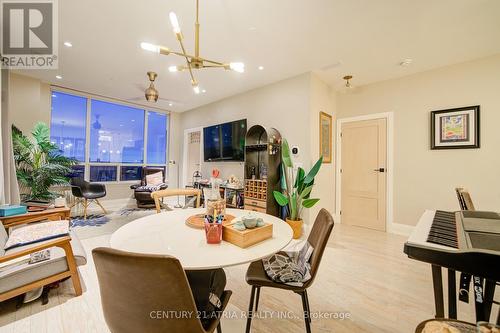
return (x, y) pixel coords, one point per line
(139, 291)
(20, 277)
(256, 275)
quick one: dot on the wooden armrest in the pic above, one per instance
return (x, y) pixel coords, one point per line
(59, 242)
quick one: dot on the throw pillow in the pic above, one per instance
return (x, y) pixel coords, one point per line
(154, 179)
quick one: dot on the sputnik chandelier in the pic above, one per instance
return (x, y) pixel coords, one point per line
(192, 61)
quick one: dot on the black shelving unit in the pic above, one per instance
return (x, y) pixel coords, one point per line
(262, 163)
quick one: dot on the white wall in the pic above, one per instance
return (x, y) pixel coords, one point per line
(322, 99)
(424, 178)
(29, 101)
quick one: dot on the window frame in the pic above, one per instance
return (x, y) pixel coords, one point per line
(118, 166)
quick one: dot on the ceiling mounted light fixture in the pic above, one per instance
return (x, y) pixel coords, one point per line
(151, 93)
(348, 84)
(192, 61)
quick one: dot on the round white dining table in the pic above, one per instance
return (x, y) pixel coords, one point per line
(167, 233)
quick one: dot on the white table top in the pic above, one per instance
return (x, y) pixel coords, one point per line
(167, 233)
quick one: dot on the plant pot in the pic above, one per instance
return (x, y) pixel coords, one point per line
(296, 227)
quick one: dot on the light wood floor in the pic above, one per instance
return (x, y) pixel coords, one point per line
(364, 273)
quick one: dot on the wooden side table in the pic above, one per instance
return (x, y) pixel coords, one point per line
(54, 214)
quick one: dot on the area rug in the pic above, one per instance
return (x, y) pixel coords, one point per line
(98, 225)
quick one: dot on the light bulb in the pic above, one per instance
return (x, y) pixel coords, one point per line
(196, 89)
(150, 47)
(173, 69)
(237, 67)
(175, 23)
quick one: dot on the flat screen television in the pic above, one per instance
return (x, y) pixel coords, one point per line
(225, 142)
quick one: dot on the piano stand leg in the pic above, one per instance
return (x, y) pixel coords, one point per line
(452, 294)
(489, 293)
(437, 281)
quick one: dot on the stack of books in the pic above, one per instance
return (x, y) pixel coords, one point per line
(37, 205)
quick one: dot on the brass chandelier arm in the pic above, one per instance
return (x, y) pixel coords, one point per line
(215, 66)
(185, 55)
(197, 32)
(188, 62)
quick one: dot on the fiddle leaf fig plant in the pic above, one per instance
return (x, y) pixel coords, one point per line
(296, 186)
(39, 163)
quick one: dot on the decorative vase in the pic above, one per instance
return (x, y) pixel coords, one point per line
(296, 227)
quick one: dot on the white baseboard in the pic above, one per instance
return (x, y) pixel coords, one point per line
(400, 229)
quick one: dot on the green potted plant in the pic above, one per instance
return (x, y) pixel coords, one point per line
(296, 189)
(39, 163)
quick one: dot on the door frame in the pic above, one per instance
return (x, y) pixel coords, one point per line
(185, 152)
(389, 116)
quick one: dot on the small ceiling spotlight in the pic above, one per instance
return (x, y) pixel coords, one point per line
(406, 62)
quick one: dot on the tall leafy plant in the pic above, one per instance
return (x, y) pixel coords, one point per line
(39, 163)
(296, 186)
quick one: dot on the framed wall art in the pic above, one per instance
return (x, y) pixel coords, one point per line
(455, 128)
(325, 137)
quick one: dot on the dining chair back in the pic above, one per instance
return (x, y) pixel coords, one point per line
(464, 199)
(147, 293)
(318, 238)
(157, 195)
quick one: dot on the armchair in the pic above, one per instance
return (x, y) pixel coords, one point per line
(142, 192)
(86, 192)
(20, 277)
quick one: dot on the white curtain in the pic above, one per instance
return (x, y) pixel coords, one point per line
(9, 190)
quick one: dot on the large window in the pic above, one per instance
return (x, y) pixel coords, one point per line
(67, 128)
(157, 137)
(109, 140)
(116, 133)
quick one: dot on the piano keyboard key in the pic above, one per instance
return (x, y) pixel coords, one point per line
(443, 230)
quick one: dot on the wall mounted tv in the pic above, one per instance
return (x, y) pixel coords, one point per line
(225, 142)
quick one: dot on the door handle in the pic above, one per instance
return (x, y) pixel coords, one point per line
(379, 170)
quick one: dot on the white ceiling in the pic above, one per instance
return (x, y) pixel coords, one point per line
(365, 38)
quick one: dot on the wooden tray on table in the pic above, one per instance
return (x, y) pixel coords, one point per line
(246, 237)
(198, 221)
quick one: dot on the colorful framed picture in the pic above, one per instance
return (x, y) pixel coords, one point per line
(455, 128)
(325, 137)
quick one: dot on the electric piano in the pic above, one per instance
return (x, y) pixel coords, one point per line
(464, 241)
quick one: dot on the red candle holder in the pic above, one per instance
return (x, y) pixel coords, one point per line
(213, 232)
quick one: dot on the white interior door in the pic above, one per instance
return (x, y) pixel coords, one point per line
(363, 173)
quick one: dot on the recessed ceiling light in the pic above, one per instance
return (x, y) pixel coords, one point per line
(203, 91)
(170, 104)
(406, 62)
(68, 44)
(261, 68)
(59, 77)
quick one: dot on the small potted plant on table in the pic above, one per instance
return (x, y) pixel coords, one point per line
(296, 190)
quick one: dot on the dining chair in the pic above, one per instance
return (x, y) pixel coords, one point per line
(157, 195)
(464, 199)
(256, 275)
(148, 293)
